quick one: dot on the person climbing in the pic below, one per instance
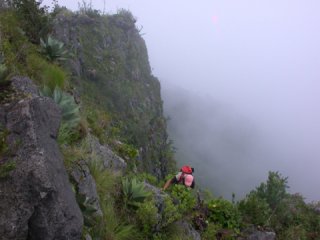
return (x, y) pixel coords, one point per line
(184, 177)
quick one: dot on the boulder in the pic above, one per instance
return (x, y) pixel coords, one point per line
(109, 158)
(189, 230)
(259, 235)
(252, 233)
(86, 185)
(36, 198)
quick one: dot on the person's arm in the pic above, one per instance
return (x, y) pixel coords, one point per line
(171, 181)
(168, 183)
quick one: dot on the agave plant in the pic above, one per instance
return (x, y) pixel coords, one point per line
(69, 109)
(134, 192)
(53, 49)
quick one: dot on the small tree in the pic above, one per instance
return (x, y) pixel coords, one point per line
(34, 19)
(275, 190)
(254, 210)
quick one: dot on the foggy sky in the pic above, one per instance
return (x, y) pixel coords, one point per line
(240, 81)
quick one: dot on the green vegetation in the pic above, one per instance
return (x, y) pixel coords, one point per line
(87, 209)
(133, 192)
(3, 70)
(14, 45)
(224, 213)
(147, 217)
(6, 165)
(185, 198)
(270, 205)
(33, 19)
(68, 132)
(4, 149)
(6, 168)
(53, 49)
(110, 225)
(121, 106)
(69, 109)
(255, 210)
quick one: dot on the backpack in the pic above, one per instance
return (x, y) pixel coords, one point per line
(186, 179)
(186, 169)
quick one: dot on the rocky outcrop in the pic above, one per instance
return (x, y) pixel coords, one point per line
(86, 186)
(159, 197)
(253, 233)
(258, 235)
(110, 62)
(189, 230)
(36, 198)
(109, 158)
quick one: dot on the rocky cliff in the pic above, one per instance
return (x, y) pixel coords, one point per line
(36, 198)
(109, 69)
(110, 66)
(90, 180)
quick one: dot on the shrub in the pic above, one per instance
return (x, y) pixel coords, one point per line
(14, 44)
(274, 190)
(187, 200)
(293, 232)
(170, 213)
(34, 19)
(127, 151)
(224, 213)
(86, 9)
(146, 177)
(210, 232)
(147, 217)
(173, 231)
(254, 210)
(68, 136)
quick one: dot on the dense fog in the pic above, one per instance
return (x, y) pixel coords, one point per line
(240, 83)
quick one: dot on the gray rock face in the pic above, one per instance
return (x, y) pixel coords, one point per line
(86, 185)
(109, 158)
(36, 199)
(189, 230)
(262, 236)
(110, 52)
(25, 85)
(255, 234)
